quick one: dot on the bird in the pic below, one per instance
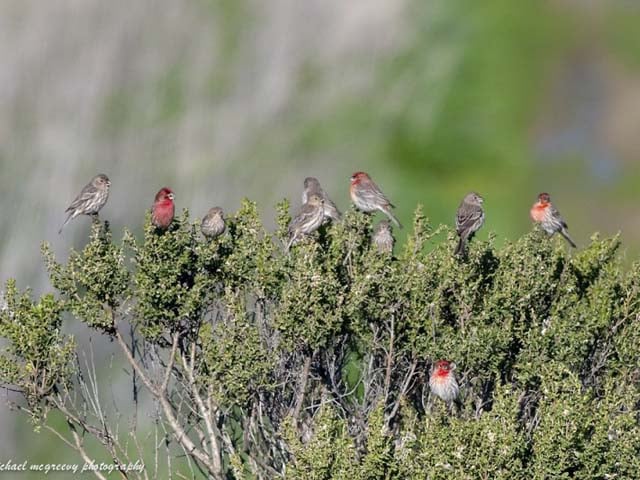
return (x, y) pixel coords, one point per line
(368, 197)
(312, 185)
(308, 219)
(442, 381)
(469, 219)
(213, 225)
(90, 200)
(163, 209)
(544, 213)
(382, 237)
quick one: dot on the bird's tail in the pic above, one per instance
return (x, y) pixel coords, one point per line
(461, 247)
(565, 234)
(69, 217)
(387, 211)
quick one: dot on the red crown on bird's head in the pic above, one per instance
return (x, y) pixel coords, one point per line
(544, 197)
(358, 176)
(164, 193)
(444, 366)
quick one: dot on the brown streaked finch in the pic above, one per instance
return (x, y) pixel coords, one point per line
(469, 219)
(213, 225)
(442, 381)
(163, 209)
(90, 200)
(308, 219)
(548, 217)
(382, 237)
(312, 185)
(368, 197)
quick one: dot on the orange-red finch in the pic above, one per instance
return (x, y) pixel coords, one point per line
(90, 200)
(368, 197)
(311, 186)
(442, 381)
(544, 213)
(213, 225)
(163, 209)
(308, 219)
(469, 219)
(382, 237)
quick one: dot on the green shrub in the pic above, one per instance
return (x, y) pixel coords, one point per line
(315, 364)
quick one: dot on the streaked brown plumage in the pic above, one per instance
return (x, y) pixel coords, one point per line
(90, 200)
(308, 219)
(382, 237)
(469, 219)
(213, 224)
(311, 186)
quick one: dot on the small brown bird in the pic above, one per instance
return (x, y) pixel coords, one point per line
(382, 237)
(213, 225)
(90, 200)
(442, 381)
(469, 219)
(544, 213)
(368, 197)
(163, 209)
(308, 219)
(312, 185)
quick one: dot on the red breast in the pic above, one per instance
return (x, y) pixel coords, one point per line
(538, 211)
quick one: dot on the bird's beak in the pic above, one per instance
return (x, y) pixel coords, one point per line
(171, 196)
(452, 365)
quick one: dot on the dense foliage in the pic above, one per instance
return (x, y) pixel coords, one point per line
(314, 364)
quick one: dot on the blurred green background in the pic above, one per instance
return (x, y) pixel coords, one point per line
(232, 98)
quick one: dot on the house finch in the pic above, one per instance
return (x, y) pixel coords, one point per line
(442, 381)
(382, 237)
(312, 185)
(212, 225)
(163, 209)
(90, 200)
(469, 219)
(308, 219)
(368, 197)
(544, 213)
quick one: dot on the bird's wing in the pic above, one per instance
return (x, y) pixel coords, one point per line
(374, 194)
(555, 214)
(467, 217)
(87, 194)
(304, 216)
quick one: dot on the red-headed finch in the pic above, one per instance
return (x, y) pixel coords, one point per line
(311, 186)
(213, 225)
(544, 213)
(442, 381)
(382, 237)
(368, 197)
(163, 209)
(469, 219)
(308, 219)
(90, 200)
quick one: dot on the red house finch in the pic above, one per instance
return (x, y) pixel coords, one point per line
(382, 237)
(212, 225)
(442, 381)
(163, 209)
(312, 185)
(308, 219)
(544, 213)
(90, 200)
(368, 197)
(469, 219)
